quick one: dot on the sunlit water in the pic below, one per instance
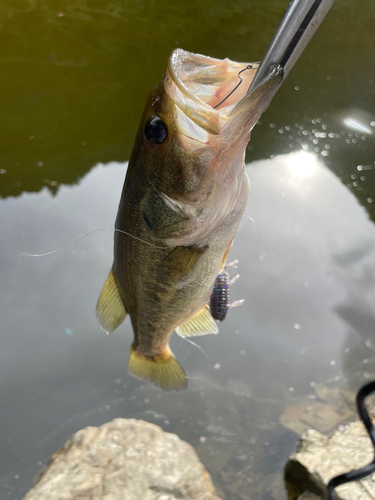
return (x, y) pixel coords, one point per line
(306, 247)
(306, 260)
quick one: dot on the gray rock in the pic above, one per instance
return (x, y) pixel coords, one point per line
(307, 495)
(125, 459)
(320, 458)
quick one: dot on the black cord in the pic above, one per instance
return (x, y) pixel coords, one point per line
(356, 475)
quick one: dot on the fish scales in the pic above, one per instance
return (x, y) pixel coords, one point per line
(158, 296)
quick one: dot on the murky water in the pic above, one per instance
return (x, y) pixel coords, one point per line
(74, 82)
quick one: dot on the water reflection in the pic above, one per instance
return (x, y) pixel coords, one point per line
(360, 121)
(307, 273)
(75, 81)
(302, 164)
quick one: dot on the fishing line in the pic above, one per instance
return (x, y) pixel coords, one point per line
(257, 238)
(249, 66)
(200, 348)
(258, 231)
(28, 254)
(356, 475)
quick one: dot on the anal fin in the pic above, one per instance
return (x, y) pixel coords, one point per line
(110, 309)
(201, 323)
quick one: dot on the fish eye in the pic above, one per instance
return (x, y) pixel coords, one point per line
(156, 131)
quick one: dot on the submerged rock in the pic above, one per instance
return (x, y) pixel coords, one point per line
(124, 459)
(307, 495)
(323, 410)
(320, 458)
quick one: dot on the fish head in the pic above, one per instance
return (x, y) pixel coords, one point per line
(192, 138)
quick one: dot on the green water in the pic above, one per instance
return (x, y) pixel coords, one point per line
(74, 80)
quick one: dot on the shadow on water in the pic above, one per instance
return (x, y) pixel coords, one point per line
(76, 80)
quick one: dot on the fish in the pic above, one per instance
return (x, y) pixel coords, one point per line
(185, 192)
(183, 198)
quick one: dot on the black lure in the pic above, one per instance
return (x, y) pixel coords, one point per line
(219, 300)
(356, 475)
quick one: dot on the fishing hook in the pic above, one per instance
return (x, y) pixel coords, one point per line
(249, 66)
(356, 475)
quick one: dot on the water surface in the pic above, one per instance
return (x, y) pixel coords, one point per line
(74, 82)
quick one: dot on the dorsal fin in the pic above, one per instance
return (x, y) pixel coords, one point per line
(201, 323)
(110, 309)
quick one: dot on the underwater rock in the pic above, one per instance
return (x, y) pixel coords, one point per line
(124, 459)
(320, 458)
(323, 411)
(307, 495)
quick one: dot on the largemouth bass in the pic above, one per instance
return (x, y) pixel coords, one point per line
(185, 192)
(184, 195)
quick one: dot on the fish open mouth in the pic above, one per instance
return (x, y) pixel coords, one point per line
(206, 89)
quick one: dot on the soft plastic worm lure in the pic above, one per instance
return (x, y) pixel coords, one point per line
(219, 300)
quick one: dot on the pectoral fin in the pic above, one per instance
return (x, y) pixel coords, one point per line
(110, 309)
(182, 260)
(163, 370)
(201, 323)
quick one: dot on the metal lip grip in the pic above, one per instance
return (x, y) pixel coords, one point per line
(298, 25)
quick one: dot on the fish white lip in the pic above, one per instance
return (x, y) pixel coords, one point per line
(197, 83)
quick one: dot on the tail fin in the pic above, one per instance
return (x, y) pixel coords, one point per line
(164, 370)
